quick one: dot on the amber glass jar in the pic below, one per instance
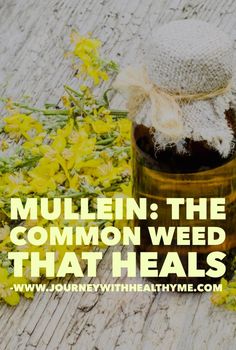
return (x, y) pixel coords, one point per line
(201, 172)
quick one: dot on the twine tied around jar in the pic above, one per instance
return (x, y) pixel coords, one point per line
(165, 106)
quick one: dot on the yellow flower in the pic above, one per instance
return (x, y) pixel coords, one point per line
(87, 50)
(78, 137)
(45, 168)
(75, 181)
(126, 190)
(219, 298)
(66, 101)
(124, 126)
(40, 186)
(33, 143)
(4, 232)
(18, 125)
(106, 173)
(76, 153)
(43, 176)
(14, 183)
(6, 283)
(4, 145)
(60, 140)
(59, 144)
(226, 297)
(91, 163)
(100, 127)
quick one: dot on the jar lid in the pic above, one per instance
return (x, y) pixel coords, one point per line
(185, 85)
(189, 56)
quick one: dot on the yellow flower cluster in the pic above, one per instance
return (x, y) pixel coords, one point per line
(226, 297)
(80, 150)
(18, 125)
(87, 50)
(87, 156)
(6, 282)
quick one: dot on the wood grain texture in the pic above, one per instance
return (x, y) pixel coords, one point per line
(33, 38)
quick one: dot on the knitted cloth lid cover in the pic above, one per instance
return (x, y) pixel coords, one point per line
(191, 57)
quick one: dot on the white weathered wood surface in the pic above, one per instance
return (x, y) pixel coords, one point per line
(34, 34)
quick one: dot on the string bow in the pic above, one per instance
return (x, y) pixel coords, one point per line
(164, 111)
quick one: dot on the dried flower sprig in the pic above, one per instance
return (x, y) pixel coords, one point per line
(80, 148)
(87, 51)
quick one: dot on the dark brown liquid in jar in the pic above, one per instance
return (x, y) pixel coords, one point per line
(201, 172)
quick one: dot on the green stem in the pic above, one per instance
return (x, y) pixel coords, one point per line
(33, 109)
(49, 105)
(106, 141)
(73, 195)
(28, 162)
(76, 93)
(122, 149)
(76, 102)
(119, 113)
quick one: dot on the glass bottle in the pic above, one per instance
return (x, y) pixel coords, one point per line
(201, 172)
